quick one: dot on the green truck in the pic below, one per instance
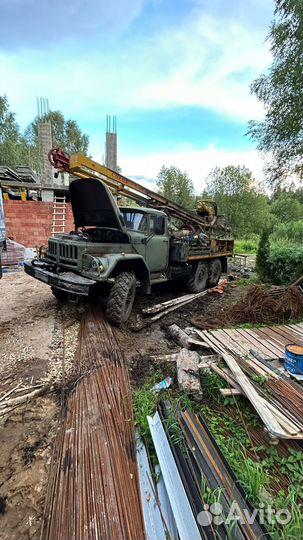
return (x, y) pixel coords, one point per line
(127, 247)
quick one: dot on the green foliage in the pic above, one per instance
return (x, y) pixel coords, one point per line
(22, 149)
(280, 91)
(10, 139)
(287, 208)
(245, 207)
(288, 232)
(145, 404)
(66, 133)
(284, 264)
(176, 186)
(263, 254)
(247, 246)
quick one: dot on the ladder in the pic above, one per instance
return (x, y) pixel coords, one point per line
(59, 215)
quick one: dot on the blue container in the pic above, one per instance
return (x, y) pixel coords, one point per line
(294, 358)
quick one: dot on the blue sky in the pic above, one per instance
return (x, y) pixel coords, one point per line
(175, 72)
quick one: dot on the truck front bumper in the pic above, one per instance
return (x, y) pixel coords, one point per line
(66, 281)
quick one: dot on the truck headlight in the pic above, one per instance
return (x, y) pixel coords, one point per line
(95, 264)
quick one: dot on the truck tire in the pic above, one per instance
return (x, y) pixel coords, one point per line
(59, 294)
(121, 298)
(197, 280)
(214, 272)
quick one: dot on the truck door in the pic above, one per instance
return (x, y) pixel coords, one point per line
(157, 248)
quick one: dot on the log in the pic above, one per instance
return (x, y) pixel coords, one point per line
(188, 372)
(182, 339)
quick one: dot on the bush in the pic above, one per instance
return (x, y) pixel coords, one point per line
(284, 265)
(263, 254)
(291, 232)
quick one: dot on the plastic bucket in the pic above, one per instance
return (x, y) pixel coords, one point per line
(294, 358)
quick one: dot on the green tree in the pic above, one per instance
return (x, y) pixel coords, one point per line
(176, 186)
(280, 90)
(263, 254)
(10, 139)
(66, 133)
(235, 191)
(287, 208)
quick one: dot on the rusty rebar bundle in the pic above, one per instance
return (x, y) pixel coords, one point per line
(93, 490)
(259, 305)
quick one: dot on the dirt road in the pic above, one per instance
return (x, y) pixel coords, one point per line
(31, 352)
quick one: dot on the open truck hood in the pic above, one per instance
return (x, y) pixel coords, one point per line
(93, 205)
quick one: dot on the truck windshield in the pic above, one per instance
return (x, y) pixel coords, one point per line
(135, 221)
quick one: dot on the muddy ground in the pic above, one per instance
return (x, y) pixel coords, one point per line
(38, 341)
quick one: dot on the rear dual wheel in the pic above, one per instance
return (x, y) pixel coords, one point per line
(204, 274)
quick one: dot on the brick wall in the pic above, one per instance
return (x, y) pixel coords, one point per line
(30, 222)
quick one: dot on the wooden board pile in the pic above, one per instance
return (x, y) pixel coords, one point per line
(93, 490)
(240, 358)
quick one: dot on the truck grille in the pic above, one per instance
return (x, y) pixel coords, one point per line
(64, 253)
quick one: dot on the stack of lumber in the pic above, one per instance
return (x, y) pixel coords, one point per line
(269, 342)
(277, 400)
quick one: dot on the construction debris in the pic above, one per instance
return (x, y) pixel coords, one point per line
(93, 487)
(183, 514)
(259, 305)
(204, 466)
(188, 372)
(165, 308)
(212, 468)
(277, 400)
(182, 339)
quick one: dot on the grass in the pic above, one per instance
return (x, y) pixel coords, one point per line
(247, 282)
(247, 246)
(230, 432)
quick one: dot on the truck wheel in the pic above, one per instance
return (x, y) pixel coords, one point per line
(59, 294)
(198, 279)
(214, 272)
(121, 298)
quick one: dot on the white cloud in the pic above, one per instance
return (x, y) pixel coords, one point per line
(197, 163)
(205, 62)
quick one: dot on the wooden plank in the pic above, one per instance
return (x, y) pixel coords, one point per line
(249, 335)
(257, 402)
(245, 343)
(272, 338)
(226, 392)
(289, 336)
(270, 343)
(213, 343)
(275, 335)
(282, 332)
(296, 332)
(230, 342)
